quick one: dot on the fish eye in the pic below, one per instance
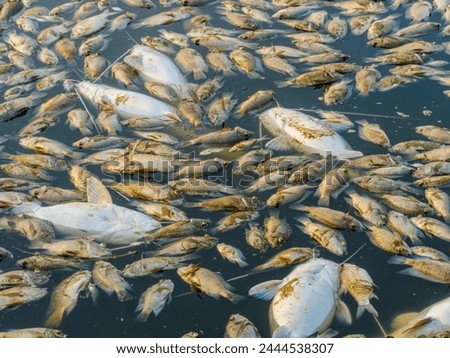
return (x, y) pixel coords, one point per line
(231, 319)
(204, 224)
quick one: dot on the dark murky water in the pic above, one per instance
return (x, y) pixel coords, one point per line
(397, 293)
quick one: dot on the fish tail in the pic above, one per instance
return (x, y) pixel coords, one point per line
(229, 72)
(254, 75)
(366, 307)
(324, 200)
(282, 84)
(199, 75)
(232, 297)
(55, 319)
(124, 296)
(241, 263)
(142, 317)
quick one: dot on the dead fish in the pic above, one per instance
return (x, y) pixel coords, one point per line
(180, 229)
(337, 92)
(288, 257)
(314, 78)
(413, 146)
(357, 281)
(34, 332)
(368, 208)
(377, 184)
(372, 132)
(326, 237)
(279, 64)
(287, 195)
(108, 278)
(360, 24)
(247, 63)
(240, 327)
(435, 133)
(429, 252)
(382, 27)
(16, 278)
(185, 245)
(79, 119)
(229, 203)
(427, 269)
(419, 11)
(407, 204)
(49, 146)
(219, 61)
(232, 254)
(31, 228)
(255, 237)
(432, 227)
(203, 280)
(234, 220)
(333, 218)
(95, 65)
(154, 299)
(5, 253)
(387, 241)
(418, 29)
(17, 296)
(366, 80)
(220, 109)
(276, 230)
(19, 106)
(387, 83)
(65, 296)
(440, 202)
(192, 62)
(404, 227)
(47, 263)
(255, 101)
(155, 265)
(223, 137)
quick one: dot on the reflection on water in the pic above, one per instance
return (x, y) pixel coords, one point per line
(397, 112)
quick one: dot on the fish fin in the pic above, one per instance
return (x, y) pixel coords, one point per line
(419, 324)
(54, 319)
(343, 314)
(97, 192)
(299, 207)
(368, 307)
(241, 263)
(329, 333)
(324, 200)
(265, 290)
(142, 317)
(403, 319)
(351, 154)
(93, 291)
(278, 143)
(158, 308)
(397, 260)
(416, 273)
(124, 296)
(192, 205)
(25, 208)
(36, 245)
(235, 298)
(339, 191)
(282, 332)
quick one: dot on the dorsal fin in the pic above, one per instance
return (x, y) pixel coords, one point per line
(97, 193)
